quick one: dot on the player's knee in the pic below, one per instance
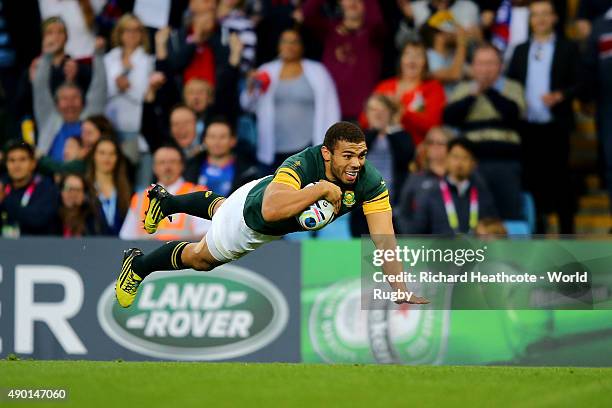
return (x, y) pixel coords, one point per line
(200, 263)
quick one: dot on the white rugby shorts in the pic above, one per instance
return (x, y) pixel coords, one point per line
(229, 237)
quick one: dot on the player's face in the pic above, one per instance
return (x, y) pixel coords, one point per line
(347, 160)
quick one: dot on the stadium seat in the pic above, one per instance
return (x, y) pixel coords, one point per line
(525, 227)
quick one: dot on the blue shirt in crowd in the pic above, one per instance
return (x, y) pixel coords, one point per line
(217, 179)
(66, 131)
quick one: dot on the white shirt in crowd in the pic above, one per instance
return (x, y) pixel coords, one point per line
(124, 109)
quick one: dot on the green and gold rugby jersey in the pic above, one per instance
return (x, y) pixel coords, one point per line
(308, 167)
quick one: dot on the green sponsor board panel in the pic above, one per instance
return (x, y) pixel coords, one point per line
(336, 328)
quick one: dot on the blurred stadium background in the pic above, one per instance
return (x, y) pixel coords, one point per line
(98, 99)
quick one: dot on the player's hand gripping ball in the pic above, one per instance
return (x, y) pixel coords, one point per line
(317, 215)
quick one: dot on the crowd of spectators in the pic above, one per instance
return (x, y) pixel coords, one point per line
(467, 105)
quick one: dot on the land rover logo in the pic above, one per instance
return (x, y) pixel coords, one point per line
(190, 315)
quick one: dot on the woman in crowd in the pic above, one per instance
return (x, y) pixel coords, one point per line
(79, 17)
(295, 101)
(77, 148)
(107, 177)
(429, 168)
(387, 139)
(446, 44)
(76, 212)
(390, 150)
(128, 67)
(420, 98)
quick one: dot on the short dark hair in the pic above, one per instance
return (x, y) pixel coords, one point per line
(464, 143)
(221, 120)
(342, 131)
(487, 46)
(67, 85)
(172, 145)
(550, 2)
(182, 106)
(21, 146)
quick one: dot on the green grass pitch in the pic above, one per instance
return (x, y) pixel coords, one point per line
(180, 385)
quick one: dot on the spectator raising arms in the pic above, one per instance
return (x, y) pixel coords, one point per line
(420, 98)
(63, 67)
(79, 16)
(446, 51)
(107, 177)
(233, 19)
(288, 91)
(352, 48)
(128, 67)
(28, 202)
(76, 212)
(59, 117)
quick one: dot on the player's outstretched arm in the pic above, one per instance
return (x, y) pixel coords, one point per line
(380, 225)
(282, 201)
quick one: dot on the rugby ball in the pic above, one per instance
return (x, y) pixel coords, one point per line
(317, 215)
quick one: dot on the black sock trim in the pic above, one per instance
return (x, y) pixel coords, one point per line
(175, 257)
(211, 207)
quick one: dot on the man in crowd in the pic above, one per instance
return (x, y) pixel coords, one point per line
(487, 111)
(218, 167)
(597, 69)
(28, 202)
(352, 49)
(59, 116)
(458, 201)
(168, 165)
(547, 68)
